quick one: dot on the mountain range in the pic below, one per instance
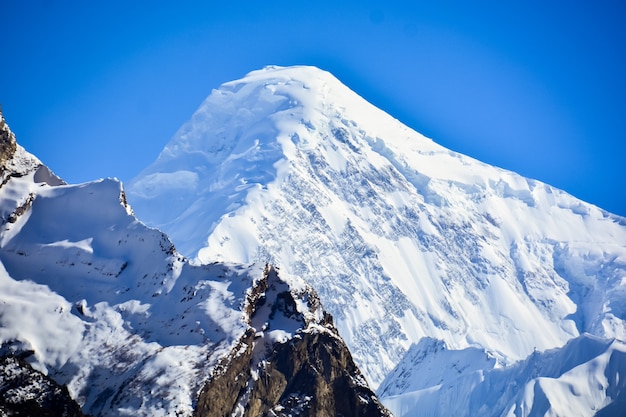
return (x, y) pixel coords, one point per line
(459, 288)
(100, 312)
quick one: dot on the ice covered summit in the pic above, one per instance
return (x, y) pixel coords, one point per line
(404, 240)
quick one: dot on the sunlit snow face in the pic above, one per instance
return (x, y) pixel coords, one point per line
(401, 237)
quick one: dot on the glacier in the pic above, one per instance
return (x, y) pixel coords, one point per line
(404, 240)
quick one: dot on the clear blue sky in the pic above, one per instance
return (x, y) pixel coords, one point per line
(96, 89)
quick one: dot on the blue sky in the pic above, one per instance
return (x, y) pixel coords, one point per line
(96, 89)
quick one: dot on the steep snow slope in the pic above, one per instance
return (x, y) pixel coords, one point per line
(107, 306)
(584, 378)
(101, 303)
(402, 238)
(430, 363)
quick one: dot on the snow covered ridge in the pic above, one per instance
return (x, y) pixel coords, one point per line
(583, 378)
(106, 306)
(402, 238)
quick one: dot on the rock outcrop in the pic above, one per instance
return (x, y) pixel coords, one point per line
(307, 373)
(27, 392)
(7, 143)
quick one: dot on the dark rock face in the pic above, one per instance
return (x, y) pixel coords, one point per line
(27, 392)
(220, 394)
(315, 376)
(310, 374)
(8, 145)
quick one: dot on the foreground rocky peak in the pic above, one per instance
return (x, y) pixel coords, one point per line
(106, 307)
(290, 362)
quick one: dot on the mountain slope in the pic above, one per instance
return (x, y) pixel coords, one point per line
(583, 378)
(104, 305)
(402, 238)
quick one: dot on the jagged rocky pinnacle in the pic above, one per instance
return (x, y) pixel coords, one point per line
(309, 374)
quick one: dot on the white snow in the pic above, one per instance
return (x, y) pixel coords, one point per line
(402, 238)
(40, 320)
(412, 247)
(106, 304)
(579, 379)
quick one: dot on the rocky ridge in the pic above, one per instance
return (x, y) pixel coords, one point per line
(105, 310)
(308, 373)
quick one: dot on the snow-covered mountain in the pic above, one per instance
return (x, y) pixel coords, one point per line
(402, 238)
(94, 300)
(583, 378)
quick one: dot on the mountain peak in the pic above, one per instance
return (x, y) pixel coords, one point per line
(287, 96)
(401, 237)
(310, 78)
(446, 277)
(242, 137)
(302, 73)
